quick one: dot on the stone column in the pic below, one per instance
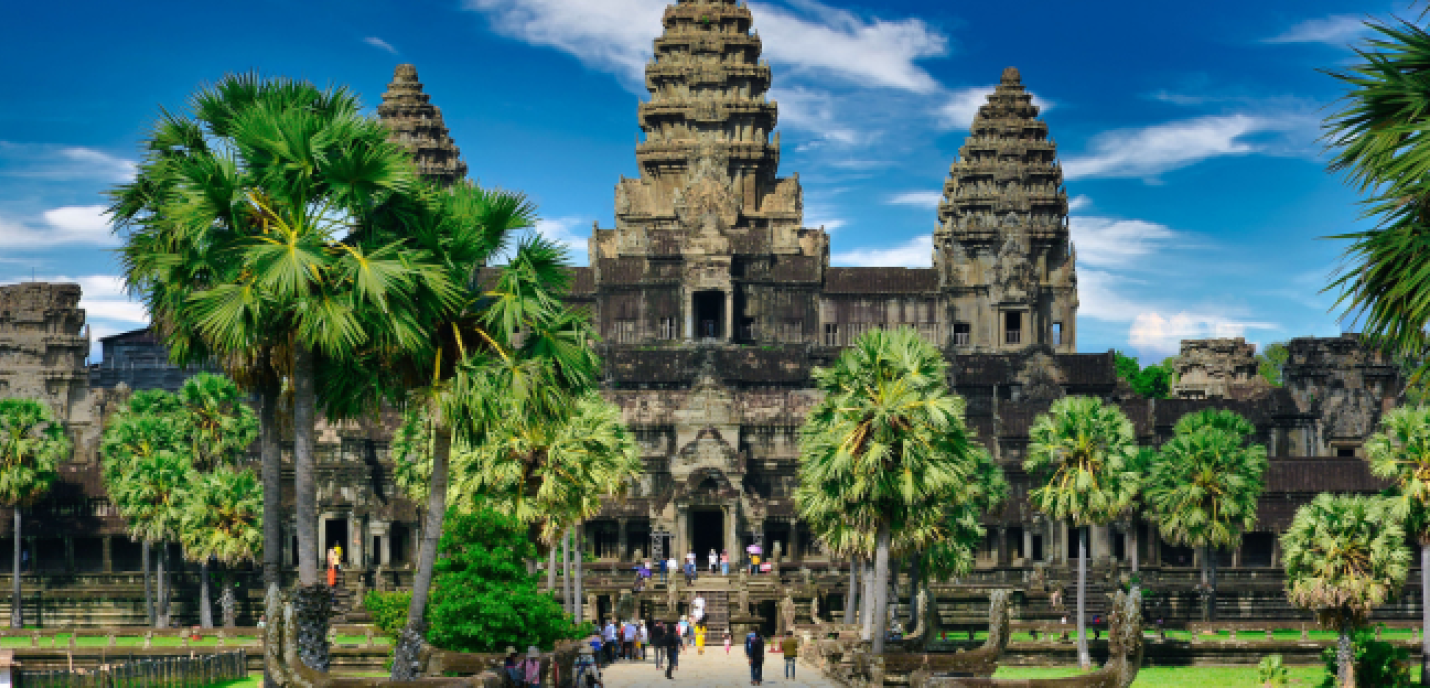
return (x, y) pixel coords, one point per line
(1100, 542)
(1154, 546)
(621, 540)
(1276, 552)
(1002, 546)
(357, 543)
(730, 314)
(794, 540)
(689, 315)
(1027, 543)
(386, 553)
(1236, 558)
(69, 554)
(1064, 544)
(108, 541)
(732, 540)
(682, 536)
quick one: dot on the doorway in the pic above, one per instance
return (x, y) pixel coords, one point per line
(707, 532)
(335, 534)
(709, 314)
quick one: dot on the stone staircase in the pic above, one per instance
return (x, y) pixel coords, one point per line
(717, 614)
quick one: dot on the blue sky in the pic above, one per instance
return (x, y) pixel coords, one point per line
(1188, 132)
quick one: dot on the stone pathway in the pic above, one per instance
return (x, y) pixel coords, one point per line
(713, 669)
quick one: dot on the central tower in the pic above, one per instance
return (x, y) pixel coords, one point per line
(709, 228)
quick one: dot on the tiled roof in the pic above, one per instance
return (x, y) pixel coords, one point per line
(880, 280)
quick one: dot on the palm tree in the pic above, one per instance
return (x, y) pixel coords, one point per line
(887, 447)
(1344, 556)
(1400, 452)
(151, 496)
(222, 521)
(1079, 455)
(1204, 485)
(1380, 147)
(148, 424)
(32, 444)
(253, 240)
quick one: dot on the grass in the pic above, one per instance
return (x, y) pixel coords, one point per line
(1180, 677)
(209, 640)
(1283, 636)
(255, 679)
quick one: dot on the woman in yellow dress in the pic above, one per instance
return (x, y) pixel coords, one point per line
(700, 639)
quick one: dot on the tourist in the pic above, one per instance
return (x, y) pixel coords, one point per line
(332, 568)
(754, 564)
(700, 638)
(1096, 632)
(608, 642)
(690, 557)
(642, 640)
(790, 648)
(724, 563)
(698, 608)
(690, 572)
(263, 621)
(657, 641)
(628, 641)
(511, 666)
(673, 565)
(587, 670)
(531, 668)
(727, 642)
(714, 560)
(672, 652)
(755, 652)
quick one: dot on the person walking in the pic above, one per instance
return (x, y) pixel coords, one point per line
(690, 573)
(511, 666)
(672, 653)
(642, 640)
(587, 670)
(755, 652)
(673, 565)
(724, 563)
(700, 639)
(714, 560)
(332, 568)
(628, 640)
(608, 642)
(662, 571)
(531, 668)
(727, 642)
(657, 641)
(790, 648)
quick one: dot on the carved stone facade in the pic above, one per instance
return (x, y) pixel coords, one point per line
(1218, 369)
(417, 125)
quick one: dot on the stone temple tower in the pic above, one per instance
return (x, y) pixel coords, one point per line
(417, 125)
(709, 225)
(1002, 251)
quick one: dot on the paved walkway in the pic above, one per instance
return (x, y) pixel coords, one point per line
(713, 669)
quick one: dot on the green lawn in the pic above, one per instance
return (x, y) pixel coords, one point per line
(255, 680)
(1179, 677)
(209, 640)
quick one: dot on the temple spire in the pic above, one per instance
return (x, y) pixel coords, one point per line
(417, 125)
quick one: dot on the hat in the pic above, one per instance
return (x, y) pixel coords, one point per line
(533, 652)
(510, 650)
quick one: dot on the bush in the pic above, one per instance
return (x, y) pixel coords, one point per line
(1271, 673)
(483, 598)
(388, 610)
(1378, 664)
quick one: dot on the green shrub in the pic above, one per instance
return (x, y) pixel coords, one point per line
(388, 610)
(1270, 673)
(1378, 664)
(483, 598)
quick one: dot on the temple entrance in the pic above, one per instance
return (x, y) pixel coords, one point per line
(335, 534)
(707, 532)
(709, 314)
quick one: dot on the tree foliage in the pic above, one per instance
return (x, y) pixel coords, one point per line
(1270, 362)
(1400, 452)
(1344, 556)
(1080, 456)
(1154, 381)
(1204, 485)
(32, 445)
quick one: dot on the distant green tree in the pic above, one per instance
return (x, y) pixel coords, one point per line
(1344, 556)
(1400, 453)
(1270, 362)
(1152, 382)
(32, 444)
(222, 520)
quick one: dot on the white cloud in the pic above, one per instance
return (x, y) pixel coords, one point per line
(915, 253)
(958, 110)
(1079, 203)
(1336, 30)
(1104, 242)
(1150, 151)
(380, 44)
(63, 163)
(1157, 336)
(563, 230)
(83, 224)
(918, 199)
(813, 112)
(617, 36)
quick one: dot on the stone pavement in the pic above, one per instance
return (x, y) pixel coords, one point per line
(713, 669)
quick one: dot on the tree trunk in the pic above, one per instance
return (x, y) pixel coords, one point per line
(1136, 543)
(566, 573)
(579, 600)
(163, 585)
(206, 612)
(148, 586)
(17, 601)
(915, 574)
(305, 464)
(1206, 584)
(409, 645)
(851, 597)
(1345, 659)
(881, 588)
(228, 602)
(272, 475)
(1425, 612)
(1084, 660)
(866, 601)
(551, 572)
(1211, 597)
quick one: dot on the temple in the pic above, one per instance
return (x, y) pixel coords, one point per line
(715, 304)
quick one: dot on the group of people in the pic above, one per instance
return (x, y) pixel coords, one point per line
(755, 654)
(716, 562)
(524, 672)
